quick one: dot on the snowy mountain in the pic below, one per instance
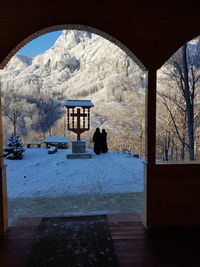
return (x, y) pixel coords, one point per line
(81, 65)
(76, 64)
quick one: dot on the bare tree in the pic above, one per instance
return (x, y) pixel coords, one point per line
(13, 108)
(184, 70)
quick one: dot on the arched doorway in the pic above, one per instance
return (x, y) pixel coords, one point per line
(80, 28)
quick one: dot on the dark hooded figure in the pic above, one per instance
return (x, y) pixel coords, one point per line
(104, 147)
(97, 141)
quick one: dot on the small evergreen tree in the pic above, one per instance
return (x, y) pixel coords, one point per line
(13, 148)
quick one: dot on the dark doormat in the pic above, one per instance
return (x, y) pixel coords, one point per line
(73, 242)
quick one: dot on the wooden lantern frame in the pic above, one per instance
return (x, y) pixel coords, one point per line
(77, 109)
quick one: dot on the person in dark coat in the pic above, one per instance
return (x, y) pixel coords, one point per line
(104, 146)
(97, 141)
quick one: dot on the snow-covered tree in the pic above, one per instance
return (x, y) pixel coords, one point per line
(17, 110)
(12, 108)
(13, 148)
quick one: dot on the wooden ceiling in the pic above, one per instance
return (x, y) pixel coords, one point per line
(152, 30)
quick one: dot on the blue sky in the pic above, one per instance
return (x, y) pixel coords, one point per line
(40, 44)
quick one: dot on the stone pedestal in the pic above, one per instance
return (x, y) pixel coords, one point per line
(78, 146)
(79, 150)
(79, 156)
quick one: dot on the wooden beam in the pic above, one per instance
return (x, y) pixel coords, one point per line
(150, 136)
(151, 118)
(3, 201)
(3, 184)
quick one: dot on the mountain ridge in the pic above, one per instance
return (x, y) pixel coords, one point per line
(81, 65)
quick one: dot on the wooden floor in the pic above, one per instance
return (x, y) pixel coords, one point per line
(135, 245)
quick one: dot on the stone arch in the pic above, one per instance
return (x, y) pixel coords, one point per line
(72, 27)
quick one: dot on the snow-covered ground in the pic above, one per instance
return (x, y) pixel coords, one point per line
(41, 174)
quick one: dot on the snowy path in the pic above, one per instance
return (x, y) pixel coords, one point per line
(42, 175)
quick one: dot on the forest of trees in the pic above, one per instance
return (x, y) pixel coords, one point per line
(25, 114)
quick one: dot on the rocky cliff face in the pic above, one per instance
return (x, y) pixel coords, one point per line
(82, 65)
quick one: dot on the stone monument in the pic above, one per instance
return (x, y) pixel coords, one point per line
(78, 121)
